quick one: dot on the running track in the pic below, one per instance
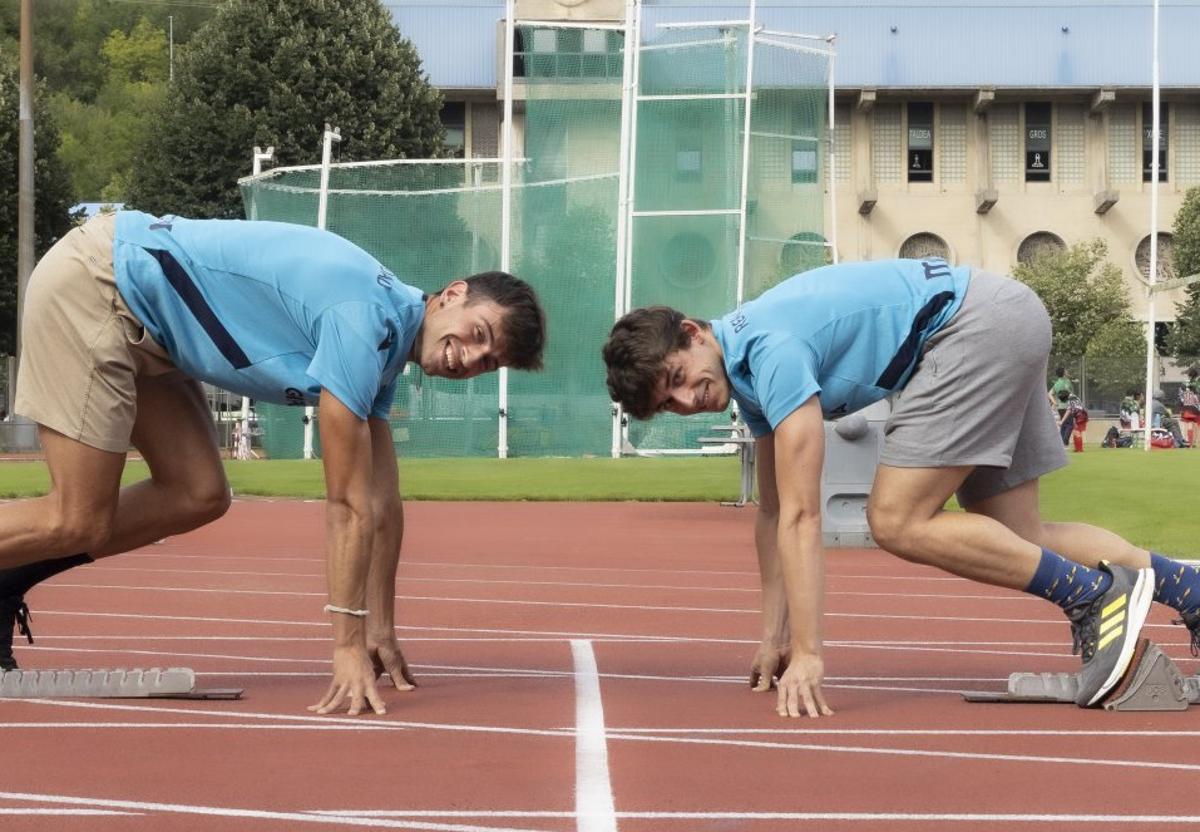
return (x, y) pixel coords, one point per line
(582, 667)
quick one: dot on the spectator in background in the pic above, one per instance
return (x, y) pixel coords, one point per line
(1060, 393)
(1189, 403)
(1073, 423)
(1130, 418)
(1161, 417)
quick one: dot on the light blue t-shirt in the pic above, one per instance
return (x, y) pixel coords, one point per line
(269, 310)
(852, 333)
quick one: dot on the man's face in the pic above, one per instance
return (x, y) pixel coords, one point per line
(693, 379)
(460, 339)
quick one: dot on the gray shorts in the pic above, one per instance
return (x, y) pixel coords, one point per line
(978, 397)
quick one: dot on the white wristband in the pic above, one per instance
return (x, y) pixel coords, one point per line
(346, 611)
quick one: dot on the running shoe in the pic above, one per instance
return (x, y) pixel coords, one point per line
(1106, 630)
(14, 614)
(1191, 620)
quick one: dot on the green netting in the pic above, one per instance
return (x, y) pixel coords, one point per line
(689, 157)
(566, 244)
(433, 222)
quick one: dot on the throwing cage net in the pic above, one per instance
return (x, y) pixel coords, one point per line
(693, 177)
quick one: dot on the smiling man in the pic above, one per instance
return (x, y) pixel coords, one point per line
(965, 354)
(126, 314)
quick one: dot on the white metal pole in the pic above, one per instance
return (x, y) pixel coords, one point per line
(833, 218)
(633, 49)
(741, 263)
(628, 102)
(330, 136)
(242, 448)
(1153, 276)
(510, 29)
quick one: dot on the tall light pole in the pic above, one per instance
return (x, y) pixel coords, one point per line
(24, 170)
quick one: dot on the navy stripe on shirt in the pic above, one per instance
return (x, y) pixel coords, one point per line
(907, 353)
(182, 283)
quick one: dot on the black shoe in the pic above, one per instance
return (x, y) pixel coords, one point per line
(1191, 620)
(1106, 630)
(13, 614)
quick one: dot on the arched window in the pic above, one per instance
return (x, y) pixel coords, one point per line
(688, 260)
(925, 244)
(803, 251)
(1037, 244)
(1166, 257)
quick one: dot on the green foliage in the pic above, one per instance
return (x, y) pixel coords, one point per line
(70, 36)
(1183, 341)
(140, 56)
(52, 195)
(99, 137)
(1082, 291)
(1116, 360)
(274, 74)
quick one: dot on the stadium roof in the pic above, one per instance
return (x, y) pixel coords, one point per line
(899, 44)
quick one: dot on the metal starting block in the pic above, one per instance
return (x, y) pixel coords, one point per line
(154, 683)
(1152, 683)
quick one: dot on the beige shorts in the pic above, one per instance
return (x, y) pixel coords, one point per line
(82, 349)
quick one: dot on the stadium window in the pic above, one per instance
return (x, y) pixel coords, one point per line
(688, 160)
(1148, 141)
(804, 151)
(454, 120)
(1037, 141)
(920, 142)
(595, 41)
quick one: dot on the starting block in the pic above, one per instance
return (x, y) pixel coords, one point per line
(1152, 683)
(154, 683)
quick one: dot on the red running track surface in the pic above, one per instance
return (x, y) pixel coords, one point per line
(582, 667)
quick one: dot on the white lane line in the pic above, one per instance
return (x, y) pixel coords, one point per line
(558, 604)
(909, 732)
(229, 812)
(926, 575)
(190, 726)
(754, 590)
(632, 637)
(913, 752)
(86, 813)
(662, 734)
(536, 637)
(594, 808)
(869, 817)
(296, 718)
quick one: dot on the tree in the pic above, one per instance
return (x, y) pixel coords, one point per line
(1116, 363)
(274, 74)
(99, 137)
(1082, 292)
(52, 193)
(1183, 341)
(69, 36)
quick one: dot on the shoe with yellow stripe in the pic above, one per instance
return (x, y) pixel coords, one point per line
(1106, 630)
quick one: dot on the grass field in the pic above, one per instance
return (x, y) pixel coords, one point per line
(1148, 498)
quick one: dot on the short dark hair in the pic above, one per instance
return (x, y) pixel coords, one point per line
(636, 350)
(524, 323)
(1060, 371)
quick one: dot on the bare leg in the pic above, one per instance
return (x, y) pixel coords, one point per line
(1018, 509)
(907, 519)
(187, 486)
(77, 514)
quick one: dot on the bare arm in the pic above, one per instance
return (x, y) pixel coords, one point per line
(772, 656)
(388, 514)
(349, 528)
(799, 455)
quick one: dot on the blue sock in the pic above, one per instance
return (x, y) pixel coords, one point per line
(1067, 583)
(1176, 584)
